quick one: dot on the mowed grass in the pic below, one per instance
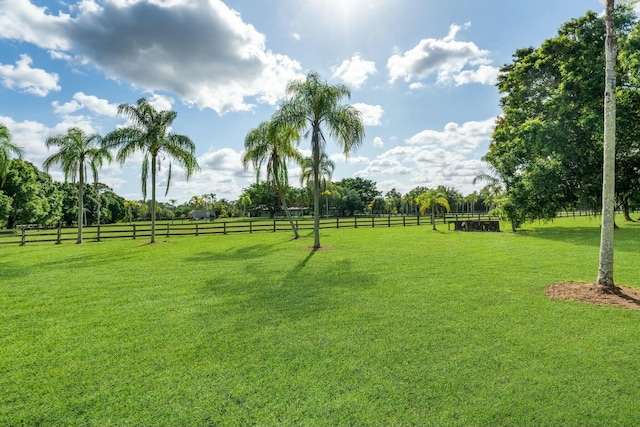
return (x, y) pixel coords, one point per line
(396, 326)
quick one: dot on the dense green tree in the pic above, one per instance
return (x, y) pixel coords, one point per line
(349, 203)
(274, 143)
(263, 197)
(36, 198)
(77, 151)
(150, 134)
(393, 200)
(366, 188)
(7, 147)
(551, 129)
(5, 207)
(314, 105)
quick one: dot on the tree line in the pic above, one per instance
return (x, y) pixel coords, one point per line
(546, 150)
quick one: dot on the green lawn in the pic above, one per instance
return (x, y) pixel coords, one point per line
(388, 326)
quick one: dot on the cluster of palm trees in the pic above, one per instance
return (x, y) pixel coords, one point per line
(148, 133)
(312, 107)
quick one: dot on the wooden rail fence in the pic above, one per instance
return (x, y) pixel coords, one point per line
(59, 235)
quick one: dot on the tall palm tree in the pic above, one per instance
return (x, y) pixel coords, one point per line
(244, 201)
(129, 205)
(605, 267)
(150, 134)
(314, 105)
(173, 206)
(6, 148)
(274, 143)
(431, 200)
(77, 151)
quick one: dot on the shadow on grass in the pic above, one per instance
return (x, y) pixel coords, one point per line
(236, 254)
(626, 238)
(311, 286)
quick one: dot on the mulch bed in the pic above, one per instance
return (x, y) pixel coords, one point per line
(624, 296)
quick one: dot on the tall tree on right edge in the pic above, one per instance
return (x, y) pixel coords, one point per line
(605, 281)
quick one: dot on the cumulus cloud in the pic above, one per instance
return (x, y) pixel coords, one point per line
(371, 114)
(200, 50)
(80, 100)
(431, 158)
(451, 60)
(24, 78)
(378, 142)
(463, 138)
(355, 71)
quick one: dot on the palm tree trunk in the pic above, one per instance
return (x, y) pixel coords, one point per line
(315, 149)
(605, 269)
(80, 203)
(433, 216)
(153, 199)
(286, 211)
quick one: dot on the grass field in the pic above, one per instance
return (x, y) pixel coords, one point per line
(386, 326)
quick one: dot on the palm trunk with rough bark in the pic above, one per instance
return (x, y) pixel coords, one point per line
(315, 149)
(287, 213)
(605, 269)
(80, 203)
(153, 199)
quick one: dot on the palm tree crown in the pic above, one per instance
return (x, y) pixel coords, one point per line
(275, 144)
(6, 148)
(150, 134)
(77, 151)
(431, 199)
(315, 106)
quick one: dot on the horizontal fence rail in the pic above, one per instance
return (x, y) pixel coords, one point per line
(24, 235)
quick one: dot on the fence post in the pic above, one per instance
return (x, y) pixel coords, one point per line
(224, 227)
(389, 220)
(274, 225)
(418, 219)
(404, 220)
(134, 231)
(250, 227)
(59, 235)
(355, 222)
(197, 233)
(98, 236)
(337, 222)
(373, 222)
(23, 236)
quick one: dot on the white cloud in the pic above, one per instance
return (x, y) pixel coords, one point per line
(416, 86)
(200, 50)
(31, 80)
(371, 114)
(485, 75)
(378, 142)
(451, 60)
(355, 71)
(431, 158)
(81, 100)
(463, 138)
(296, 36)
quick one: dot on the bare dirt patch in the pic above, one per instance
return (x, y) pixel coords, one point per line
(624, 296)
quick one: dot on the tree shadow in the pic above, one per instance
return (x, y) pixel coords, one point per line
(626, 238)
(313, 284)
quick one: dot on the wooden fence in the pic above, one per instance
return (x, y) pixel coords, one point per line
(164, 229)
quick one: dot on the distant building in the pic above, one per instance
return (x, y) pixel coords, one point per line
(203, 214)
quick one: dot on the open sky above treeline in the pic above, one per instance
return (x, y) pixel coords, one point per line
(422, 73)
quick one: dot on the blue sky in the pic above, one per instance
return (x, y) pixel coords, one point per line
(422, 72)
